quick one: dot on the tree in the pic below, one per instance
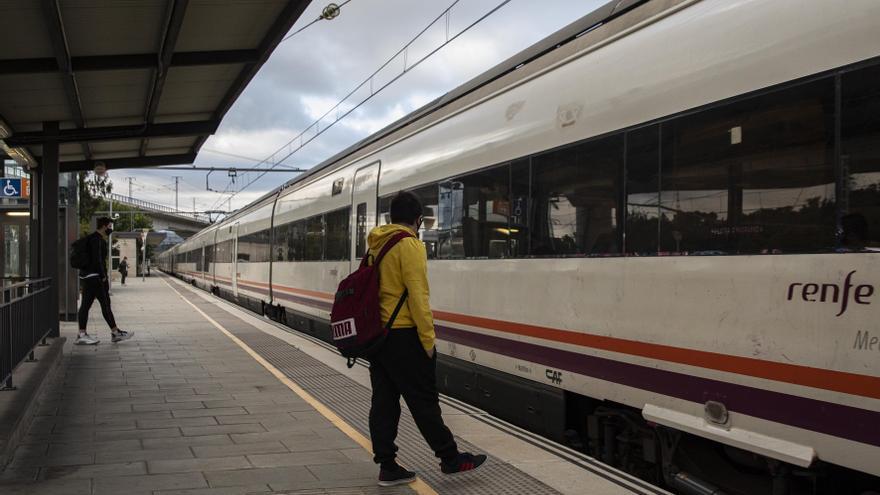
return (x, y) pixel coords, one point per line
(92, 190)
(130, 219)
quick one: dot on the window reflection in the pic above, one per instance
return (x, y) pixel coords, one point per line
(520, 178)
(475, 215)
(317, 238)
(337, 242)
(11, 248)
(254, 248)
(860, 159)
(361, 231)
(428, 233)
(642, 190)
(575, 196)
(754, 176)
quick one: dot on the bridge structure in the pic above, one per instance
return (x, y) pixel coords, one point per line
(184, 223)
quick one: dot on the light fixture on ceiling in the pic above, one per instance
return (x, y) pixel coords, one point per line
(18, 213)
(21, 155)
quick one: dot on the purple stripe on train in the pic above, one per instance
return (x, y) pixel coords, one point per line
(848, 422)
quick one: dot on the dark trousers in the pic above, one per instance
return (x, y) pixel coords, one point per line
(124, 274)
(403, 368)
(94, 288)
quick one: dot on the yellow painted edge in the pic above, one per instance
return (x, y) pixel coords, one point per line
(419, 486)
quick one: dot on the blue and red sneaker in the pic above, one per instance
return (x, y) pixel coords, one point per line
(465, 461)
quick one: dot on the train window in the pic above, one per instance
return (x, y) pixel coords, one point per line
(227, 250)
(642, 190)
(337, 244)
(449, 243)
(291, 241)
(384, 211)
(314, 238)
(860, 159)
(520, 178)
(428, 233)
(474, 215)
(197, 259)
(280, 244)
(220, 256)
(254, 248)
(753, 176)
(575, 195)
(209, 258)
(360, 245)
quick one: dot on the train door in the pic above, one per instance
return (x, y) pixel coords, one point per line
(273, 245)
(203, 268)
(213, 264)
(363, 208)
(235, 273)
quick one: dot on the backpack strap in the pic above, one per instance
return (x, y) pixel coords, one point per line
(397, 309)
(387, 247)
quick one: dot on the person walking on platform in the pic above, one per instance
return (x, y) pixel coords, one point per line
(123, 268)
(406, 363)
(94, 285)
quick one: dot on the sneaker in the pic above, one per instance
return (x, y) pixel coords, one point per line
(86, 339)
(121, 335)
(395, 476)
(464, 462)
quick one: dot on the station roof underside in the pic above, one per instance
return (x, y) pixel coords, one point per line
(134, 83)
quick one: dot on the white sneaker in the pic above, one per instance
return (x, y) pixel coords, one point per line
(86, 339)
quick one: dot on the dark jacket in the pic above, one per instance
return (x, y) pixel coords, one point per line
(98, 252)
(123, 266)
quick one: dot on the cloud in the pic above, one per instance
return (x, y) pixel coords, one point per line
(309, 73)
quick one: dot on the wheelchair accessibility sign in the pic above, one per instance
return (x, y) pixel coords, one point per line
(14, 187)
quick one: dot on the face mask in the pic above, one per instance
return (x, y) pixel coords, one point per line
(109, 230)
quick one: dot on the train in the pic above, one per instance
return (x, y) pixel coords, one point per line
(651, 236)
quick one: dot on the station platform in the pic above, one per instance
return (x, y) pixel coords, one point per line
(210, 399)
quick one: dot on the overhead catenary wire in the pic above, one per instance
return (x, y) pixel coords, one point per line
(373, 91)
(335, 108)
(243, 157)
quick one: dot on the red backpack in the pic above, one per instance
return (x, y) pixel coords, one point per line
(355, 321)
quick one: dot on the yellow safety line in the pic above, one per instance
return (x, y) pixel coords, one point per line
(419, 486)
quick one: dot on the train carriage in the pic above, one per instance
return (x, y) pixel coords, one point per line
(651, 236)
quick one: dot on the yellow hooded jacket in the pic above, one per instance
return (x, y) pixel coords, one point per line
(404, 266)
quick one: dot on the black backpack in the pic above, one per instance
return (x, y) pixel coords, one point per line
(79, 253)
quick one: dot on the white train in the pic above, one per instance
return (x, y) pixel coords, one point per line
(633, 239)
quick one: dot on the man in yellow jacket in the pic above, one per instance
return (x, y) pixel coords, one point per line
(406, 365)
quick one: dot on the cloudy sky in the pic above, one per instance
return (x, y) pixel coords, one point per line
(312, 71)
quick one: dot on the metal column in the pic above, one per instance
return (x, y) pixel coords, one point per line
(48, 221)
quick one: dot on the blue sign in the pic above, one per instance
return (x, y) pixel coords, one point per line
(10, 188)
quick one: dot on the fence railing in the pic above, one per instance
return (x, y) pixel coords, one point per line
(24, 323)
(147, 205)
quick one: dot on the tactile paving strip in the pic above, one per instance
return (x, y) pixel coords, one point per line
(351, 402)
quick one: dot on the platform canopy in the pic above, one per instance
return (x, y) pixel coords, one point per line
(132, 83)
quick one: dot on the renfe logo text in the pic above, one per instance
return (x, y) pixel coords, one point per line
(832, 293)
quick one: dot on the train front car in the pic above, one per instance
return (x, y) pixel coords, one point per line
(654, 240)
